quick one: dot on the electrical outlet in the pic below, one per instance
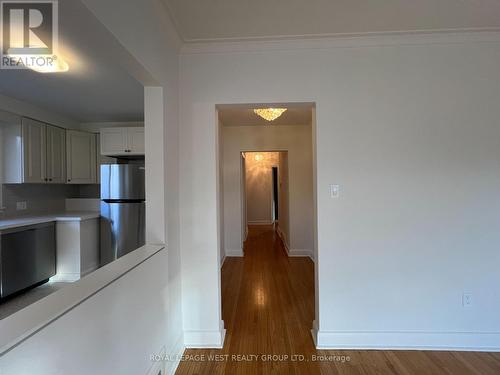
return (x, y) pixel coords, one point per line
(21, 206)
(467, 299)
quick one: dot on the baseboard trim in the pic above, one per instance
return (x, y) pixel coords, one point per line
(167, 361)
(314, 333)
(205, 339)
(281, 235)
(223, 260)
(294, 252)
(261, 222)
(234, 253)
(159, 363)
(452, 341)
(300, 253)
(176, 352)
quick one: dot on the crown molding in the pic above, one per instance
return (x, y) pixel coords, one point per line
(173, 20)
(341, 41)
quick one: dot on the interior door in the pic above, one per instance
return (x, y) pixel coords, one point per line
(81, 157)
(34, 151)
(56, 155)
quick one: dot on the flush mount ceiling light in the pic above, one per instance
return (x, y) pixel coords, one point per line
(259, 157)
(269, 114)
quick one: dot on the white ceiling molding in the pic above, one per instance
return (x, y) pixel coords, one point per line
(344, 41)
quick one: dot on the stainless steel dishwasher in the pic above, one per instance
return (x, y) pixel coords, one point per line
(27, 257)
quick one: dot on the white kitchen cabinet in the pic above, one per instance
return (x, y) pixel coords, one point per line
(122, 141)
(81, 157)
(34, 148)
(33, 152)
(56, 155)
(135, 138)
(77, 249)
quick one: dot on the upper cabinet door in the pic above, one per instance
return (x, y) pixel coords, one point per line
(114, 141)
(81, 157)
(122, 141)
(56, 155)
(136, 141)
(34, 151)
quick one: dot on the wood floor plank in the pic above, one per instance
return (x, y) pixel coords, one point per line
(268, 309)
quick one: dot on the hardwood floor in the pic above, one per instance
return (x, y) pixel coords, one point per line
(268, 309)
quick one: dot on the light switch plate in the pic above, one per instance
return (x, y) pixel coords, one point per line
(334, 191)
(467, 299)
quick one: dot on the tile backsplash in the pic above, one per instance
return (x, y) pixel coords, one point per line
(40, 198)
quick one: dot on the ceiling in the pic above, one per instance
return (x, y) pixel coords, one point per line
(202, 20)
(96, 88)
(243, 115)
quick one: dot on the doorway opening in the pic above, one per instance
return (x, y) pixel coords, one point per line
(264, 181)
(266, 213)
(275, 194)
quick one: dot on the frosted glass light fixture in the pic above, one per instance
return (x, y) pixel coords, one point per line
(259, 157)
(269, 114)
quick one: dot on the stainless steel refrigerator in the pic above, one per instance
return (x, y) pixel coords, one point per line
(122, 210)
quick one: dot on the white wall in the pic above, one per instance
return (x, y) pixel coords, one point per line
(284, 201)
(243, 193)
(220, 187)
(408, 126)
(159, 58)
(296, 139)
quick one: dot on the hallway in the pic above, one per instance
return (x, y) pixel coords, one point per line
(268, 309)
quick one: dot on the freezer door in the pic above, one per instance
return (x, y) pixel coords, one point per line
(122, 182)
(122, 229)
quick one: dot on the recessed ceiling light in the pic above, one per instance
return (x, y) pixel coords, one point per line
(269, 114)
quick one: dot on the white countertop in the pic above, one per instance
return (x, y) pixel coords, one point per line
(22, 221)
